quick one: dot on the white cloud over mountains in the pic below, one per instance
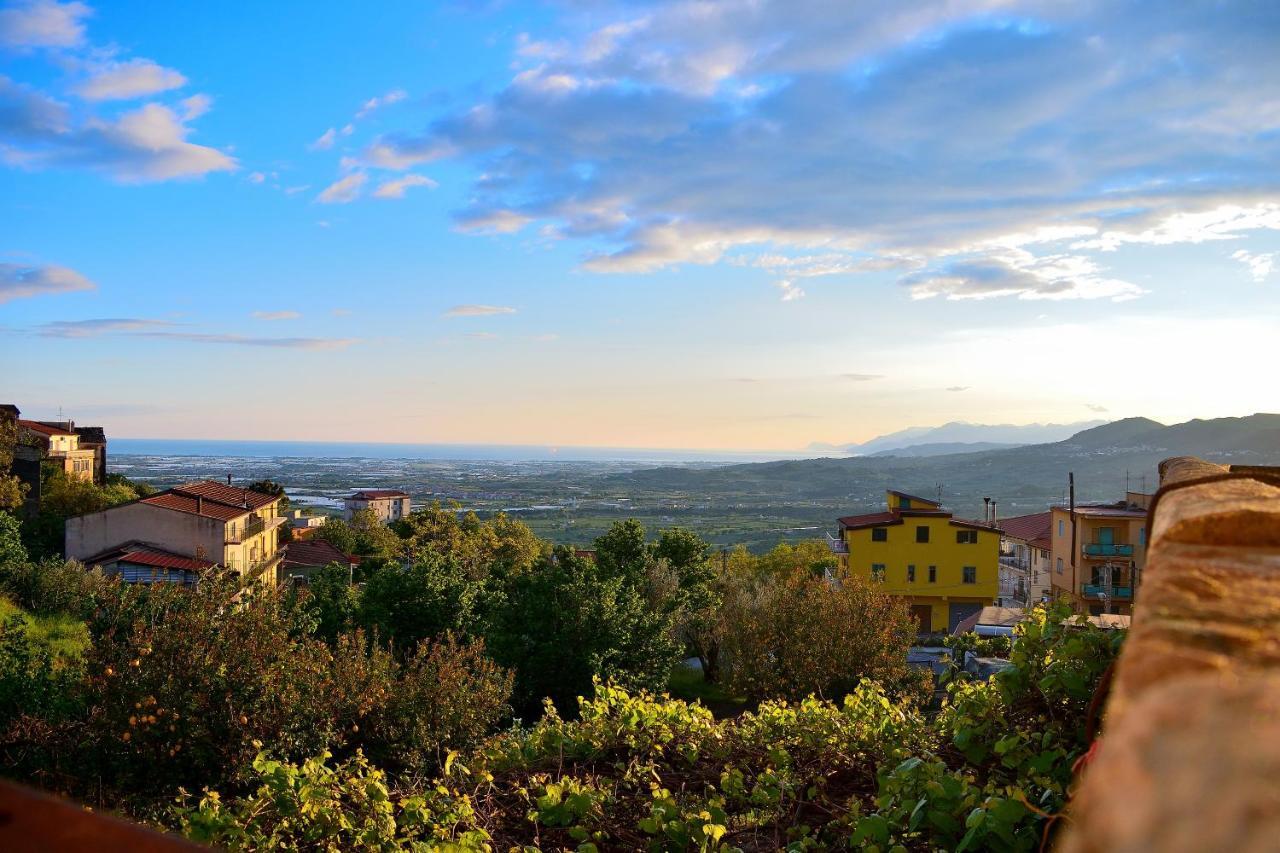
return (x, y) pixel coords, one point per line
(815, 139)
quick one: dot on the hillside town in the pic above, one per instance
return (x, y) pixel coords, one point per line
(953, 573)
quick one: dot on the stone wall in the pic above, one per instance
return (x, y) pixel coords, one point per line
(1189, 757)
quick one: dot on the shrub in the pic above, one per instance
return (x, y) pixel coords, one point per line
(795, 635)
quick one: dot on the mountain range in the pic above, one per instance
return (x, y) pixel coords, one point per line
(1106, 459)
(960, 437)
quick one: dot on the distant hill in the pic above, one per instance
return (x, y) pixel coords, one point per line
(942, 448)
(1129, 432)
(961, 432)
(1105, 460)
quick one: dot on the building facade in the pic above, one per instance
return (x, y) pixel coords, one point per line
(388, 504)
(1026, 556)
(231, 528)
(946, 568)
(59, 444)
(1098, 553)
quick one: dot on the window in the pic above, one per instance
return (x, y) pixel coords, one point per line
(1059, 565)
(970, 574)
(967, 537)
(879, 534)
(904, 503)
(922, 534)
(1062, 526)
(933, 574)
(1142, 536)
(911, 574)
(877, 571)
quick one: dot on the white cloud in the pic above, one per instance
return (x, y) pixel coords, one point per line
(377, 103)
(145, 144)
(1019, 273)
(1259, 265)
(478, 310)
(43, 23)
(130, 79)
(861, 377)
(195, 106)
(851, 138)
(494, 222)
(790, 292)
(256, 177)
(276, 315)
(396, 187)
(325, 142)
(18, 281)
(343, 190)
(94, 328)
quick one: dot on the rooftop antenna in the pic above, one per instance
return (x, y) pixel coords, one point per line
(938, 487)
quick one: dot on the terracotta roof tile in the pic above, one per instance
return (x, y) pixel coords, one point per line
(1028, 528)
(315, 552)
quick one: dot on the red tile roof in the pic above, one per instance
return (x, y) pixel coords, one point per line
(378, 494)
(148, 555)
(872, 519)
(1028, 528)
(36, 426)
(211, 500)
(315, 552)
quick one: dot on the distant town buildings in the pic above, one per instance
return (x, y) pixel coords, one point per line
(1026, 556)
(304, 525)
(388, 504)
(194, 526)
(948, 569)
(1098, 553)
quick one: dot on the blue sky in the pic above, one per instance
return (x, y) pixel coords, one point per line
(712, 224)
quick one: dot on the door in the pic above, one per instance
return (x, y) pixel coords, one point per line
(923, 614)
(961, 612)
(1106, 535)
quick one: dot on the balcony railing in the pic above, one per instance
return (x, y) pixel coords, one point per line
(252, 528)
(837, 546)
(1107, 549)
(1097, 590)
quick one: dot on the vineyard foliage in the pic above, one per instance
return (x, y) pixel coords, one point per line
(634, 770)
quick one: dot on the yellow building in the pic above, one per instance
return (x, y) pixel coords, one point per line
(1098, 554)
(202, 523)
(948, 569)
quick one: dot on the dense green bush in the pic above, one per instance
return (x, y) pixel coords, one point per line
(637, 771)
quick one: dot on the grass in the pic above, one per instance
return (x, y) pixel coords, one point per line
(687, 683)
(63, 636)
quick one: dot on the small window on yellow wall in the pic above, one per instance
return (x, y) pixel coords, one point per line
(877, 571)
(911, 574)
(879, 534)
(933, 574)
(970, 574)
(922, 533)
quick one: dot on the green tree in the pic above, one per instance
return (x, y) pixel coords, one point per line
(331, 600)
(270, 487)
(567, 622)
(63, 497)
(430, 597)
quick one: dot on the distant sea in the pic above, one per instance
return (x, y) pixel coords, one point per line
(441, 452)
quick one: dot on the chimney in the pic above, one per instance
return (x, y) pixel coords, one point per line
(994, 504)
(228, 479)
(986, 510)
(199, 505)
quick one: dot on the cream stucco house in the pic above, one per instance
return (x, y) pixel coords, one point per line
(207, 524)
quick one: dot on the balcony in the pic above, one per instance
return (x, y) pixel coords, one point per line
(837, 546)
(1097, 590)
(251, 528)
(1107, 549)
